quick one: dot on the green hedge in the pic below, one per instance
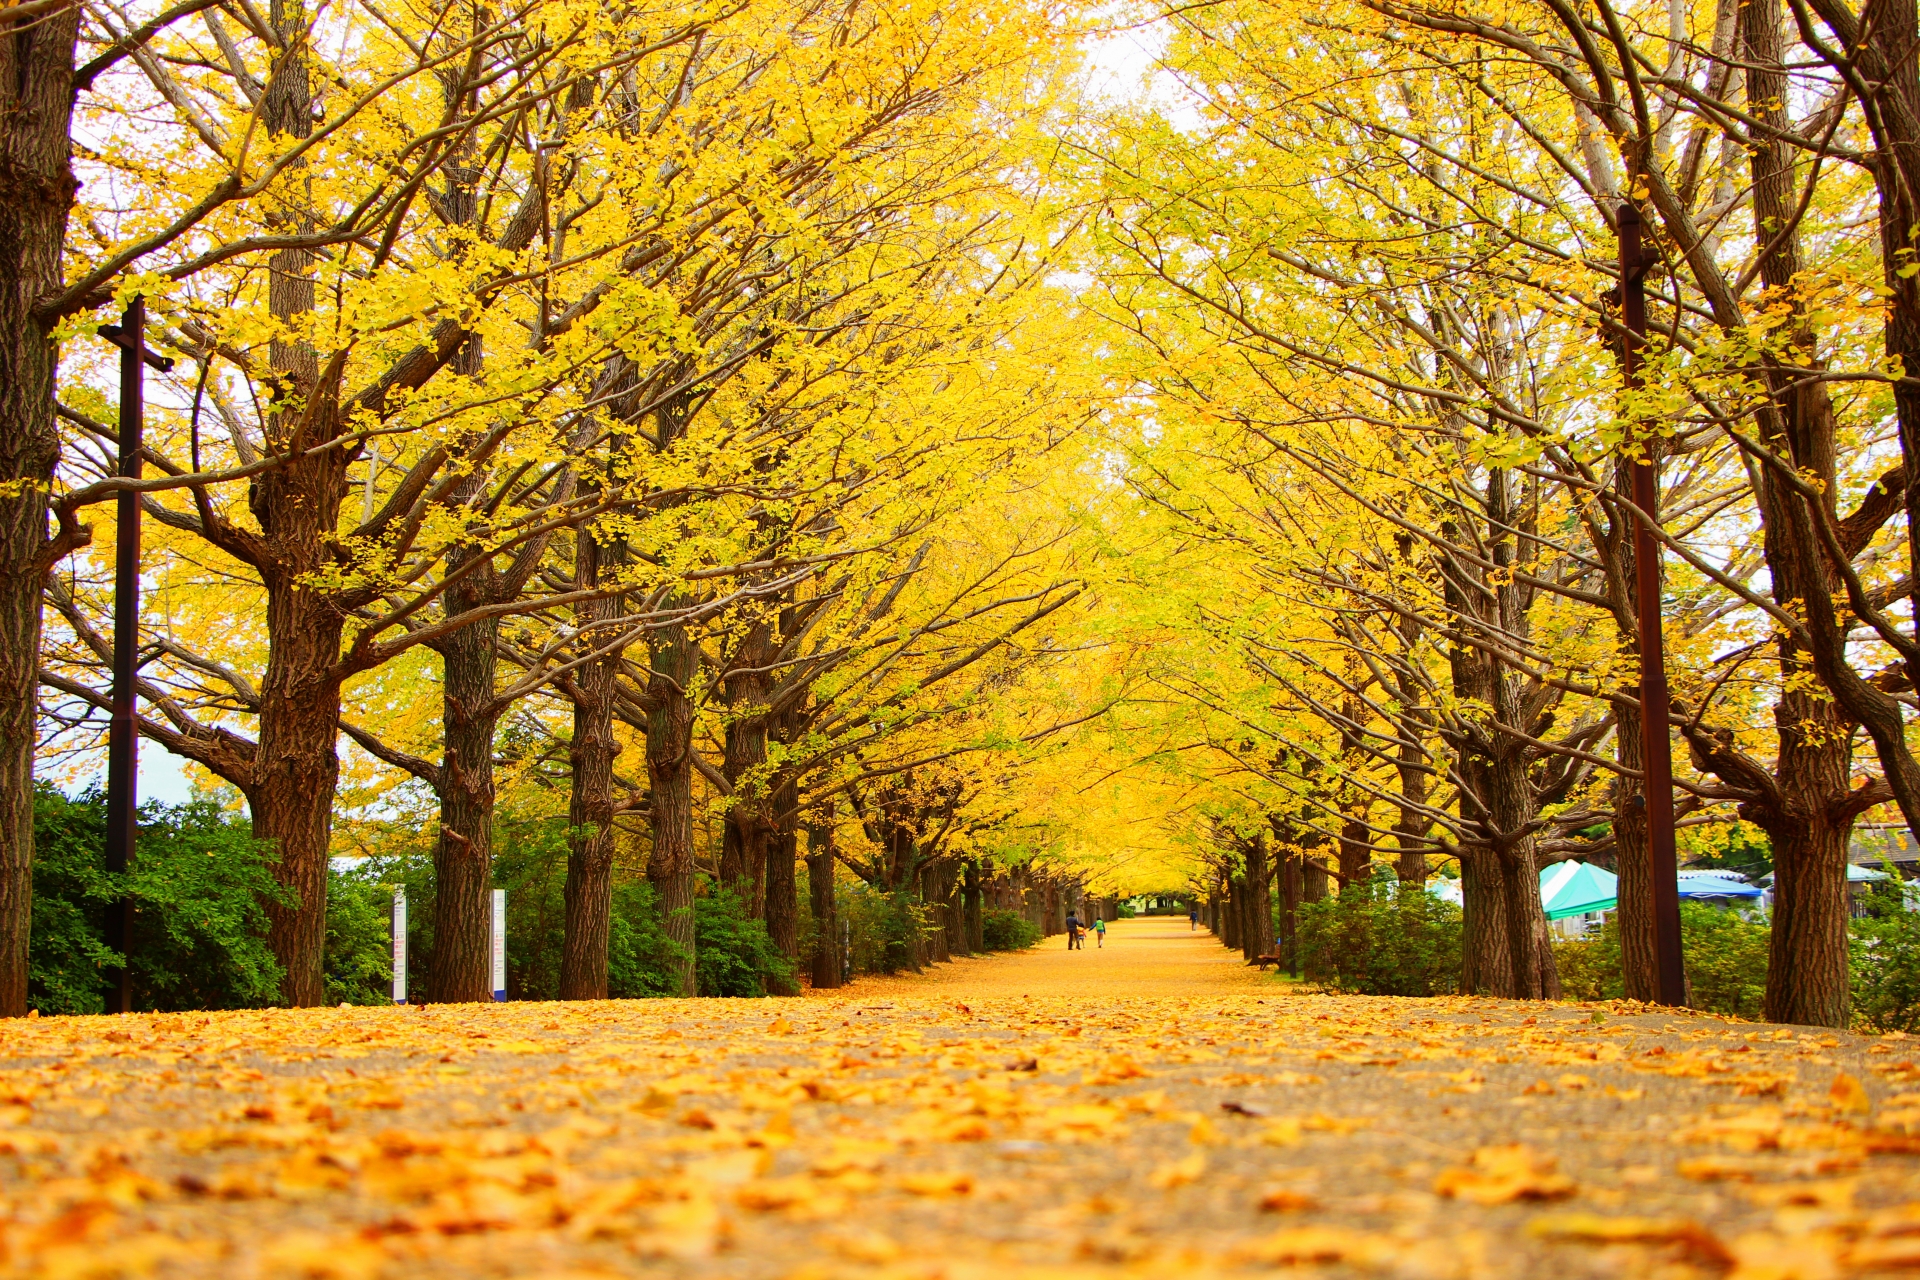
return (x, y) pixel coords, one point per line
(1726, 958)
(1002, 930)
(1382, 939)
(198, 884)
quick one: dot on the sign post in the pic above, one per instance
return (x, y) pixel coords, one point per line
(499, 944)
(399, 946)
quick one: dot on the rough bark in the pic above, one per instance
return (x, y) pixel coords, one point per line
(783, 903)
(36, 192)
(297, 768)
(1315, 882)
(590, 757)
(749, 826)
(463, 855)
(1235, 913)
(1531, 974)
(826, 916)
(675, 662)
(1290, 889)
(976, 916)
(1259, 898)
(1637, 960)
(1806, 815)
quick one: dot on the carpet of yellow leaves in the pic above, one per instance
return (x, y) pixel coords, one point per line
(1154, 1109)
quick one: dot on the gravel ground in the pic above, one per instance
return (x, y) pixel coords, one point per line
(1154, 1108)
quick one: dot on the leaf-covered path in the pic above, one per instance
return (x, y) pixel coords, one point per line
(1148, 957)
(1151, 1109)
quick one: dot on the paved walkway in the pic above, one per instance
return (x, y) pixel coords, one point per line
(1155, 956)
(1155, 1109)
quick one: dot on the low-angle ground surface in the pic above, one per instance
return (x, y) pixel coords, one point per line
(1153, 1108)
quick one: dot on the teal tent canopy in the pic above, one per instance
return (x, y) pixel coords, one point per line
(1576, 888)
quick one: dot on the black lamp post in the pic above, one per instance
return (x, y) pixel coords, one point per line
(123, 740)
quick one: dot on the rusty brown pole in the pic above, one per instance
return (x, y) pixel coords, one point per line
(1656, 751)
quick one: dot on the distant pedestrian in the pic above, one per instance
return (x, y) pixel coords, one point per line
(1100, 934)
(1193, 919)
(1073, 932)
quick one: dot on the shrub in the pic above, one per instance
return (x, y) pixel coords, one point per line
(1884, 964)
(1002, 930)
(733, 954)
(530, 863)
(197, 884)
(1589, 967)
(1725, 955)
(359, 956)
(1382, 939)
(881, 928)
(1726, 959)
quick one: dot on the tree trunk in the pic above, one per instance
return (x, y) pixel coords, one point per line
(1290, 886)
(1810, 822)
(1235, 912)
(1356, 859)
(36, 191)
(1313, 883)
(675, 661)
(1259, 899)
(1486, 964)
(743, 850)
(1531, 974)
(1639, 977)
(589, 888)
(463, 855)
(826, 917)
(976, 918)
(296, 765)
(783, 903)
(1411, 825)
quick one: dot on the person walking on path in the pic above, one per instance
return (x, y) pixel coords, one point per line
(1073, 932)
(1100, 934)
(1193, 918)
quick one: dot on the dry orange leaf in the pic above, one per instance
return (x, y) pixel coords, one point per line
(1503, 1174)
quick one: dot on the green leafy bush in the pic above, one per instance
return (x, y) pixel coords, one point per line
(1002, 930)
(881, 928)
(1589, 967)
(359, 955)
(1725, 954)
(1884, 963)
(1726, 958)
(733, 954)
(198, 884)
(1382, 939)
(530, 863)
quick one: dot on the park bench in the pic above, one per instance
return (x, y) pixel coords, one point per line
(1263, 961)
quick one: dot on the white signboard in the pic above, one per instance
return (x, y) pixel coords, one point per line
(399, 946)
(499, 944)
